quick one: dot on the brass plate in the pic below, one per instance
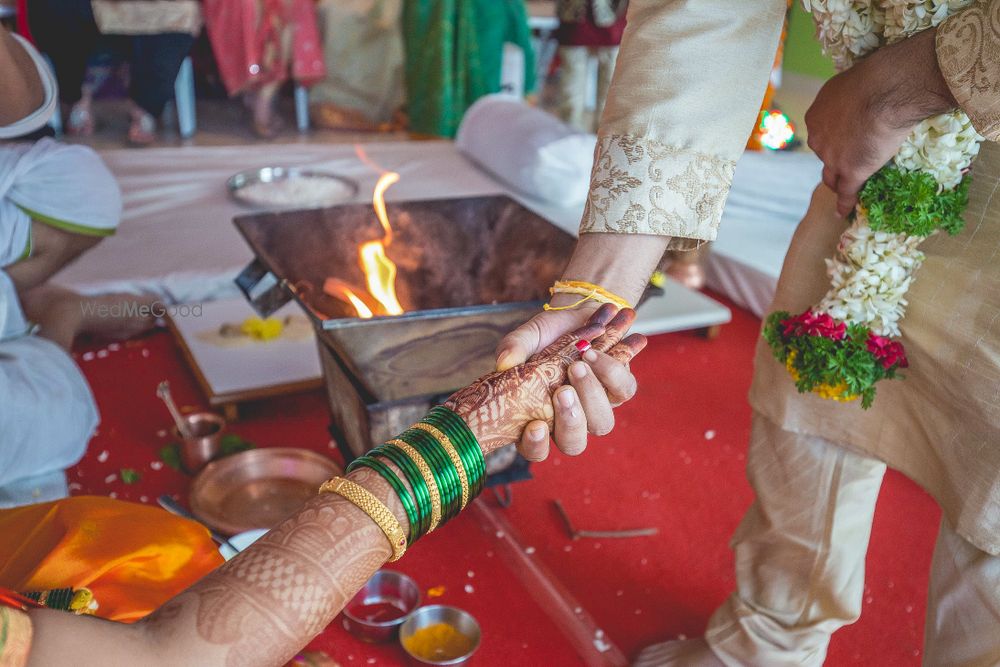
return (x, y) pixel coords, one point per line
(257, 488)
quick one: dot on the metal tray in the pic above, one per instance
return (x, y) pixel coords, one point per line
(257, 488)
(239, 183)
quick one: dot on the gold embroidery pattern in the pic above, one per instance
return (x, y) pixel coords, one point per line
(968, 51)
(642, 186)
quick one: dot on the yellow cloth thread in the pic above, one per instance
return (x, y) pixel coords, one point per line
(589, 291)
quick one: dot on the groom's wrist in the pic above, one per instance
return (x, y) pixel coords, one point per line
(910, 80)
(619, 263)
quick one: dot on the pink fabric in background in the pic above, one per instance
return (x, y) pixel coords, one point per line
(247, 40)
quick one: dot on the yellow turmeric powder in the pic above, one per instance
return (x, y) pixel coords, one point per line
(437, 642)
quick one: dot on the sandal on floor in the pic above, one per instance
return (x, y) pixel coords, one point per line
(80, 122)
(142, 131)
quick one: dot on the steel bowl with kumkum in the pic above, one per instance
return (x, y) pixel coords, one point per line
(382, 605)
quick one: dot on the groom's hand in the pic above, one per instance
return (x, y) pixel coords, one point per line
(621, 264)
(861, 116)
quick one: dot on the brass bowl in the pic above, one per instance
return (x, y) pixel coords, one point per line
(257, 488)
(206, 435)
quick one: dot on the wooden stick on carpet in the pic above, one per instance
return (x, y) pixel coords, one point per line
(599, 534)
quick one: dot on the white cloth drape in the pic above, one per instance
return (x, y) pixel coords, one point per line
(40, 116)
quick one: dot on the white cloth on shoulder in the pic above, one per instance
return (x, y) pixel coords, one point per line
(66, 186)
(528, 149)
(40, 116)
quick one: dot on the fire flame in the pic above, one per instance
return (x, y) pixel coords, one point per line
(379, 270)
(339, 290)
(380, 275)
(387, 180)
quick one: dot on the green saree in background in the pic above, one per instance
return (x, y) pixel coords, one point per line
(454, 52)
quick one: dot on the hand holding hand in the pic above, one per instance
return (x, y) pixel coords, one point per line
(516, 404)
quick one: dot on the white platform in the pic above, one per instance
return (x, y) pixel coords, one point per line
(177, 239)
(770, 194)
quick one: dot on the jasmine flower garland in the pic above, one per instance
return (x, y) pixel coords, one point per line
(843, 346)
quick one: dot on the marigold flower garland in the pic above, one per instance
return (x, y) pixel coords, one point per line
(843, 346)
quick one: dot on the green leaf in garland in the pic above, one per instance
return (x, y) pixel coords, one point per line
(910, 203)
(171, 455)
(774, 336)
(824, 362)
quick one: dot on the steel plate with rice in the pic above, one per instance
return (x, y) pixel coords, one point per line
(277, 188)
(257, 488)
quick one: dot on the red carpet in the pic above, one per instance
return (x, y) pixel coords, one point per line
(675, 461)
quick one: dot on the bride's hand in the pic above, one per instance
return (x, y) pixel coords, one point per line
(513, 405)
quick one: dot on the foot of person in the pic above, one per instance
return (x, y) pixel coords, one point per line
(266, 123)
(80, 121)
(62, 315)
(142, 129)
(118, 316)
(679, 653)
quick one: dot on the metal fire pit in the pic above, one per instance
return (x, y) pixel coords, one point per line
(469, 270)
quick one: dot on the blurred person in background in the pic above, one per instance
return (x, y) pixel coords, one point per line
(363, 49)
(258, 46)
(56, 202)
(454, 56)
(154, 38)
(587, 28)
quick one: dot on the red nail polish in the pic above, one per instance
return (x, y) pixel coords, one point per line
(582, 345)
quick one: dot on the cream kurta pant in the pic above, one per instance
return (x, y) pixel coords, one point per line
(941, 424)
(817, 465)
(800, 559)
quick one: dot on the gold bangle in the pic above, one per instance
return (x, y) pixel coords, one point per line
(452, 454)
(364, 500)
(589, 292)
(425, 472)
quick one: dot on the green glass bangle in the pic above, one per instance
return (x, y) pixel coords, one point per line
(468, 472)
(422, 505)
(458, 439)
(441, 467)
(397, 486)
(420, 491)
(460, 433)
(465, 442)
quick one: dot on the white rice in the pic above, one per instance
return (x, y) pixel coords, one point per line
(302, 191)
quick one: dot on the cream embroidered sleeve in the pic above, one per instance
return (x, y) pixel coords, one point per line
(968, 51)
(687, 87)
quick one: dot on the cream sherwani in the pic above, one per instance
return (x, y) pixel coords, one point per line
(689, 79)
